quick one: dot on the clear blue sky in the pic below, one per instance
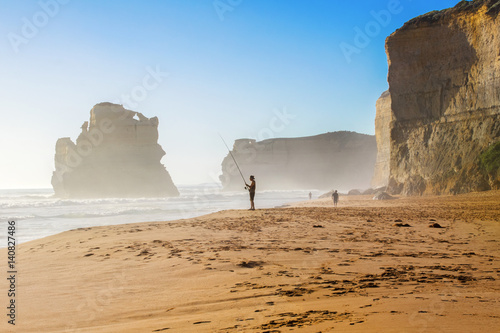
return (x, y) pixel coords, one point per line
(232, 66)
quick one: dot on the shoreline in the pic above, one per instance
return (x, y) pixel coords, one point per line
(40, 217)
(308, 267)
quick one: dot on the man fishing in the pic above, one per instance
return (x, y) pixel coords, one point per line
(251, 189)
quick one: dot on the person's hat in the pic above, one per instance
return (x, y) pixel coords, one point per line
(252, 177)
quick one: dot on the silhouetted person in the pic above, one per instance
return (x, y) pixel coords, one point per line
(335, 197)
(251, 189)
(310, 195)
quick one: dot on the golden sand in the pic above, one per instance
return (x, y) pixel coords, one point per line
(365, 266)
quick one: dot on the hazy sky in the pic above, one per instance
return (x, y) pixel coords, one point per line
(242, 68)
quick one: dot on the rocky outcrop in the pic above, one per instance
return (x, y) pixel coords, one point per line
(444, 84)
(116, 155)
(383, 120)
(383, 196)
(340, 160)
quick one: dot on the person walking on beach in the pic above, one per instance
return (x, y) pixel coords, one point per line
(335, 197)
(310, 195)
(251, 189)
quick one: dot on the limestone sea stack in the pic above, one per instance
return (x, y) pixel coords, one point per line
(340, 160)
(444, 86)
(116, 155)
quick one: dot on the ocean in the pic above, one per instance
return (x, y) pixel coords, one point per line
(39, 214)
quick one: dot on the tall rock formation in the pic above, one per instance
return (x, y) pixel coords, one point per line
(341, 160)
(116, 155)
(444, 82)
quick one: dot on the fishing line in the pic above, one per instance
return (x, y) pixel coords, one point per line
(233, 159)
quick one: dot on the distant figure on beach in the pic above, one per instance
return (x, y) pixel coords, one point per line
(310, 195)
(335, 197)
(251, 189)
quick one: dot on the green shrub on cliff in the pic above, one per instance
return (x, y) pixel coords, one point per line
(490, 159)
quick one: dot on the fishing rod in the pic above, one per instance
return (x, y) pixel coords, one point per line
(234, 160)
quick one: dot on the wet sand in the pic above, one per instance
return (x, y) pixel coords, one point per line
(365, 266)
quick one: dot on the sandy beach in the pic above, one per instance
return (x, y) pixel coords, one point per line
(365, 266)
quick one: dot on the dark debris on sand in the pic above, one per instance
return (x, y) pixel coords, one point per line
(250, 264)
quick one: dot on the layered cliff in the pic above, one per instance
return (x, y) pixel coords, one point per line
(116, 155)
(444, 84)
(341, 160)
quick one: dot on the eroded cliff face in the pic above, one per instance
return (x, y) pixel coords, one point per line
(383, 123)
(341, 160)
(444, 79)
(116, 155)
